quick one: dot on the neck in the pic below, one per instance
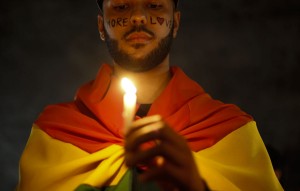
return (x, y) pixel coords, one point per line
(149, 84)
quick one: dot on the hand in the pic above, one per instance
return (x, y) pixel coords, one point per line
(169, 160)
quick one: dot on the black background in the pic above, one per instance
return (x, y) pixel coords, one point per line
(245, 52)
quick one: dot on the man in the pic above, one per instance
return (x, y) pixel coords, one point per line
(180, 139)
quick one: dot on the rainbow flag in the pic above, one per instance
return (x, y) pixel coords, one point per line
(79, 145)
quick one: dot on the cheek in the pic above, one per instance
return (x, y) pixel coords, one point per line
(160, 21)
(162, 25)
(117, 22)
(114, 26)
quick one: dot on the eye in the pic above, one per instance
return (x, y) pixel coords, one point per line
(154, 6)
(121, 7)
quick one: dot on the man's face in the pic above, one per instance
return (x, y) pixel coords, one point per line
(138, 33)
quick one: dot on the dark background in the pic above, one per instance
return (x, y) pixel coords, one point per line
(245, 52)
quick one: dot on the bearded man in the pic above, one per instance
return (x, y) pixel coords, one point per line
(180, 138)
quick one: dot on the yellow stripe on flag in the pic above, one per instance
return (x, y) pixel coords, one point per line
(49, 164)
(238, 162)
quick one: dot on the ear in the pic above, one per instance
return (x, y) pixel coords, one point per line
(101, 27)
(176, 21)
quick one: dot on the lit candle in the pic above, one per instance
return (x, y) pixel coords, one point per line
(129, 102)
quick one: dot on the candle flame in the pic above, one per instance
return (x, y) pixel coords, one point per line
(128, 86)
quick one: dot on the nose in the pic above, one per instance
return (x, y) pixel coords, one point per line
(138, 16)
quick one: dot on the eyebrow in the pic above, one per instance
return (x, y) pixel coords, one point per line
(100, 4)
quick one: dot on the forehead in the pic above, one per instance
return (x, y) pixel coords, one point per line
(173, 3)
(100, 2)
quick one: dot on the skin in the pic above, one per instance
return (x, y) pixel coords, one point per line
(169, 160)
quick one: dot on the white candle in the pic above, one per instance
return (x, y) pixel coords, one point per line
(129, 102)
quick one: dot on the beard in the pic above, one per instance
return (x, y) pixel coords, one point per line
(148, 62)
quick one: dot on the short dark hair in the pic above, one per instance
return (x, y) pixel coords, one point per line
(100, 3)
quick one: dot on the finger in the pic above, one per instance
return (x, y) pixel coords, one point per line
(167, 134)
(142, 157)
(143, 135)
(163, 149)
(158, 130)
(160, 172)
(172, 174)
(172, 146)
(143, 122)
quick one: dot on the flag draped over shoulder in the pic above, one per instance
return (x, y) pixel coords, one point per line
(81, 142)
(94, 120)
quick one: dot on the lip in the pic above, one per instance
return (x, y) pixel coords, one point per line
(139, 37)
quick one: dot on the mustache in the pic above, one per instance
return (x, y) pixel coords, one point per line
(138, 29)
